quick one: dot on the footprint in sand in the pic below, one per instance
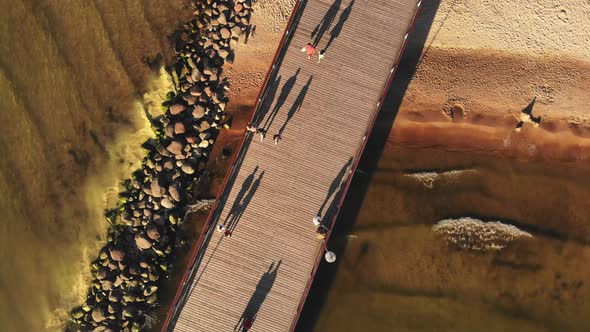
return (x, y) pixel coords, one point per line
(562, 14)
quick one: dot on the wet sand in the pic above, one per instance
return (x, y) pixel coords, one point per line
(409, 278)
(72, 76)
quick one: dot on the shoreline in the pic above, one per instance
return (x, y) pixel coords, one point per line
(531, 144)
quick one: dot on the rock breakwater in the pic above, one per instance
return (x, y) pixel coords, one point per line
(128, 271)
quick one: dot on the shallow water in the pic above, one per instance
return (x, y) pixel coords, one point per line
(72, 76)
(395, 274)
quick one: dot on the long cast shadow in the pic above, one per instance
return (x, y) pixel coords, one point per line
(262, 289)
(192, 278)
(238, 200)
(269, 97)
(296, 105)
(325, 23)
(368, 163)
(336, 184)
(287, 87)
(244, 204)
(338, 27)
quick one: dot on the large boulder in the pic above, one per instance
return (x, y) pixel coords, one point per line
(153, 233)
(157, 190)
(142, 242)
(179, 128)
(174, 192)
(188, 169)
(199, 111)
(167, 203)
(150, 290)
(176, 109)
(225, 33)
(175, 147)
(169, 165)
(98, 315)
(117, 254)
(101, 273)
(106, 285)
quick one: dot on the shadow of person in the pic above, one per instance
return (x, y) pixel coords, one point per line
(336, 183)
(260, 293)
(296, 105)
(322, 27)
(271, 91)
(236, 206)
(287, 87)
(244, 204)
(338, 27)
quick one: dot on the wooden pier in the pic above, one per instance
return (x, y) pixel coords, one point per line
(324, 113)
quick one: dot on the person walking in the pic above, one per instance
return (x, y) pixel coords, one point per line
(321, 55)
(309, 49)
(250, 127)
(277, 138)
(317, 220)
(261, 132)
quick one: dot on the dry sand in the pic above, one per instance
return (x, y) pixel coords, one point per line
(488, 60)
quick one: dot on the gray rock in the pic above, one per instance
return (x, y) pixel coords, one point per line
(188, 169)
(142, 242)
(199, 111)
(175, 147)
(150, 290)
(106, 285)
(179, 128)
(101, 273)
(166, 202)
(174, 192)
(153, 233)
(176, 109)
(223, 53)
(191, 139)
(204, 144)
(156, 189)
(204, 125)
(118, 282)
(195, 74)
(225, 33)
(169, 131)
(98, 315)
(168, 164)
(222, 19)
(236, 31)
(190, 99)
(117, 255)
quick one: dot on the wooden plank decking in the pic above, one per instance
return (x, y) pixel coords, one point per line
(324, 111)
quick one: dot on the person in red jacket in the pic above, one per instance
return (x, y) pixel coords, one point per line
(309, 49)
